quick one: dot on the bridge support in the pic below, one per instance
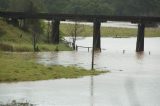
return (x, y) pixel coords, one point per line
(140, 37)
(97, 35)
(55, 31)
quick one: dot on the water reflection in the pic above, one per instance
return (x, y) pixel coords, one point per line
(131, 92)
(140, 55)
(92, 91)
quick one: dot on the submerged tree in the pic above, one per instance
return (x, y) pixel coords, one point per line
(75, 30)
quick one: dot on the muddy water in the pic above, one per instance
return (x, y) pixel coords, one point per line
(134, 79)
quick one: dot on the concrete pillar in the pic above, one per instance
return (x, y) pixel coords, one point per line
(55, 32)
(140, 37)
(97, 35)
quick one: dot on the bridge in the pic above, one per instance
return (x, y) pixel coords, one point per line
(96, 19)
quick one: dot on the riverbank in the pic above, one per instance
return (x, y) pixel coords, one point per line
(87, 30)
(23, 67)
(26, 47)
(15, 39)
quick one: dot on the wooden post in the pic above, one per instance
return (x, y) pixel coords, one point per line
(93, 54)
(73, 45)
(55, 31)
(97, 35)
(140, 37)
(76, 48)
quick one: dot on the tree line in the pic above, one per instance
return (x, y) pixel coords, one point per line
(105, 7)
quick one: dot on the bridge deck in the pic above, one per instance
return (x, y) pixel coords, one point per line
(79, 17)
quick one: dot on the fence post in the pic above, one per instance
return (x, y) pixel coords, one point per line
(76, 48)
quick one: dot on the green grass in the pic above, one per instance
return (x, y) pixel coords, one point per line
(22, 47)
(22, 67)
(110, 32)
(10, 33)
(11, 40)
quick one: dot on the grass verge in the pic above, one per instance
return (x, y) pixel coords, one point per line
(22, 67)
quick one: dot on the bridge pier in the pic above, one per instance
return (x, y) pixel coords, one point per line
(97, 35)
(55, 31)
(140, 37)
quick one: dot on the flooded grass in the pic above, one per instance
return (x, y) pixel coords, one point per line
(22, 67)
(15, 103)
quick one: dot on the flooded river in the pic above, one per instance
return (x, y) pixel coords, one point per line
(134, 79)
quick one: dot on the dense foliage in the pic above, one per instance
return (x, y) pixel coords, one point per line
(111, 7)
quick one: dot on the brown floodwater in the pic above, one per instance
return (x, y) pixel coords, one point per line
(134, 79)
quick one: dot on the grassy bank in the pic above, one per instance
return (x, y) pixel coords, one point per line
(15, 39)
(22, 67)
(110, 32)
(26, 47)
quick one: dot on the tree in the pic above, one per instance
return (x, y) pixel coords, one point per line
(32, 25)
(74, 31)
(105, 7)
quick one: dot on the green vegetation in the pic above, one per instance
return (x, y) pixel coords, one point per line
(14, 39)
(14, 47)
(112, 32)
(107, 7)
(22, 67)
(19, 34)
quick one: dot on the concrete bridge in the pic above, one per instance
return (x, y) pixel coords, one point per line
(96, 19)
